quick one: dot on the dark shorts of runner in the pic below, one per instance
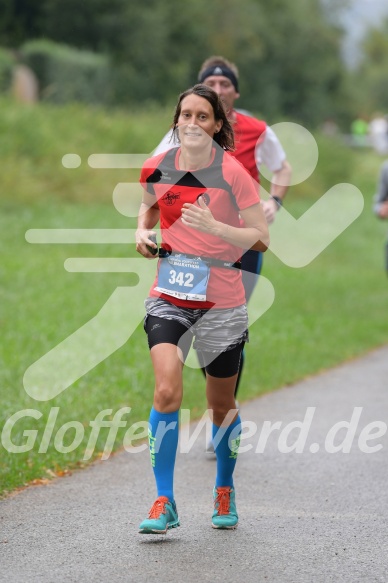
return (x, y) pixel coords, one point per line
(251, 264)
(219, 335)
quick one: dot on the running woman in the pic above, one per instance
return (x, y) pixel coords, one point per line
(198, 192)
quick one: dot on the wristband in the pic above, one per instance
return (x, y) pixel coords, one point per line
(278, 200)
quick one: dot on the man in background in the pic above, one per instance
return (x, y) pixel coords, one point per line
(381, 201)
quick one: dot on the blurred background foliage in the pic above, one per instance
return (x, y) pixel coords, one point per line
(127, 53)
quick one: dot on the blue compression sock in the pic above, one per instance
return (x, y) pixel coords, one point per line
(226, 456)
(163, 442)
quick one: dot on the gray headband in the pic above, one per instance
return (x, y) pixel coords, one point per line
(219, 70)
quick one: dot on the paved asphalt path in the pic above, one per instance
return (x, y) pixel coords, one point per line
(314, 516)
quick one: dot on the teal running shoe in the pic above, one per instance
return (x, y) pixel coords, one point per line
(162, 516)
(225, 513)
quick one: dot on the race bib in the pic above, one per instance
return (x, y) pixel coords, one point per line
(183, 277)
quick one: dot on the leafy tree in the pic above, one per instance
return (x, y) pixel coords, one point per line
(288, 53)
(19, 21)
(298, 71)
(91, 24)
(371, 78)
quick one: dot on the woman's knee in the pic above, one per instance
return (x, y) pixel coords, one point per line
(224, 416)
(168, 396)
(220, 397)
(168, 377)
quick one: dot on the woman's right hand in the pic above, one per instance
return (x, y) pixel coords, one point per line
(145, 245)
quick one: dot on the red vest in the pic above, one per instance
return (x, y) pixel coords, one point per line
(248, 133)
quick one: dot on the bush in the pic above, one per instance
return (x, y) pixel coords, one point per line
(67, 74)
(7, 62)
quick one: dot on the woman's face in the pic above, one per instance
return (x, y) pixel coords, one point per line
(196, 121)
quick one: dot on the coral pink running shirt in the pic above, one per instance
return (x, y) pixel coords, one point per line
(227, 187)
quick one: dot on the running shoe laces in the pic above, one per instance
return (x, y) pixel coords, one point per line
(224, 513)
(223, 501)
(158, 507)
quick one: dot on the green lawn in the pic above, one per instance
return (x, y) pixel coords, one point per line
(332, 310)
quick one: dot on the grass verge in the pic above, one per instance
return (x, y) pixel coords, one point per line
(327, 312)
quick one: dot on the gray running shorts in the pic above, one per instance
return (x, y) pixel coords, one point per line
(214, 330)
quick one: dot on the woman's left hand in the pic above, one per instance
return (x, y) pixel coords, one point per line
(199, 217)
